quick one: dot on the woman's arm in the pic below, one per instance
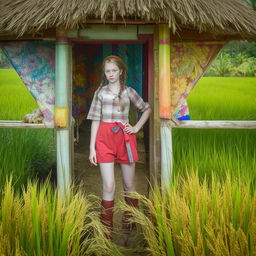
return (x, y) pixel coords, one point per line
(94, 130)
(144, 117)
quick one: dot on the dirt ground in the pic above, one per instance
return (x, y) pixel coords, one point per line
(90, 175)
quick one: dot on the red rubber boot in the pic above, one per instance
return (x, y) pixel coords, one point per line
(106, 215)
(126, 226)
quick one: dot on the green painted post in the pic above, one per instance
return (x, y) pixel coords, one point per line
(62, 112)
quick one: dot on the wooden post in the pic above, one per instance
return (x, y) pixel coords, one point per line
(166, 154)
(164, 72)
(62, 111)
(165, 104)
(155, 148)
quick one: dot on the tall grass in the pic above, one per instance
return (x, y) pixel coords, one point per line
(24, 153)
(39, 221)
(193, 218)
(15, 99)
(218, 151)
(223, 98)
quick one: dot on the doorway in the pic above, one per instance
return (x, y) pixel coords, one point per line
(87, 59)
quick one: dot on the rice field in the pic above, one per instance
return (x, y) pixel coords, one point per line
(24, 153)
(197, 218)
(209, 209)
(218, 151)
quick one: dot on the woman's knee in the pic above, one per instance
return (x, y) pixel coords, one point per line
(129, 186)
(109, 187)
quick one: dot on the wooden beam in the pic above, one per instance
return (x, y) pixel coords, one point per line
(165, 104)
(164, 72)
(120, 22)
(191, 34)
(196, 124)
(155, 145)
(33, 35)
(21, 125)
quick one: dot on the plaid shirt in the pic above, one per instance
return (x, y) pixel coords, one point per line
(105, 106)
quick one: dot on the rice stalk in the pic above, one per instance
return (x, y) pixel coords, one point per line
(195, 217)
(38, 221)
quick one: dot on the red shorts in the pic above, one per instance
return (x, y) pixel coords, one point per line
(111, 146)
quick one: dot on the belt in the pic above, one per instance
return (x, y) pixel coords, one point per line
(119, 126)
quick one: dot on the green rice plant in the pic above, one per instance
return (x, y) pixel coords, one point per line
(215, 151)
(223, 98)
(24, 153)
(198, 217)
(218, 151)
(40, 221)
(15, 99)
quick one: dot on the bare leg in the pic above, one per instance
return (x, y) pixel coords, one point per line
(128, 174)
(108, 180)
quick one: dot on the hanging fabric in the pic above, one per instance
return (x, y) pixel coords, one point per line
(189, 62)
(34, 61)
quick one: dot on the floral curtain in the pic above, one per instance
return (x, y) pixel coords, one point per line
(34, 61)
(189, 62)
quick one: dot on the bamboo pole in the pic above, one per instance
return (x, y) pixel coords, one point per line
(164, 72)
(196, 124)
(62, 112)
(21, 125)
(165, 105)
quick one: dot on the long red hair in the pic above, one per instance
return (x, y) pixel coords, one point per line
(121, 65)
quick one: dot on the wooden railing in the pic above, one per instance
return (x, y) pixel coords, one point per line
(166, 139)
(20, 124)
(196, 124)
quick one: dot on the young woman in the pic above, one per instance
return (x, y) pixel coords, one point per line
(112, 137)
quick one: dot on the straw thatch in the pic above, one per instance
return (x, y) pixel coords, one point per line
(217, 16)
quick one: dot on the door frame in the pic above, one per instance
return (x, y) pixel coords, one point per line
(147, 40)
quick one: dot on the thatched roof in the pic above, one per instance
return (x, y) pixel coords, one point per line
(217, 16)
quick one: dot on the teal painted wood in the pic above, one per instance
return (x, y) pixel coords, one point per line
(62, 75)
(105, 32)
(63, 99)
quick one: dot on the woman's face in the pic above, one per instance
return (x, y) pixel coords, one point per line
(112, 72)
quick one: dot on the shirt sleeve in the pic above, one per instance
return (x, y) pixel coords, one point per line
(137, 100)
(95, 109)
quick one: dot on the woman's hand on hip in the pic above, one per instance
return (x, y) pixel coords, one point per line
(130, 129)
(92, 157)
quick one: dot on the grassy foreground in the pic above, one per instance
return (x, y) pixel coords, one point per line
(39, 221)
(198, 218)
